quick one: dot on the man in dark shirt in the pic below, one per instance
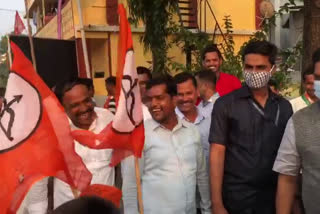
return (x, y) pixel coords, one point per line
(246, 131)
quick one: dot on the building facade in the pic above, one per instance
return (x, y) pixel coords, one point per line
(101, 28)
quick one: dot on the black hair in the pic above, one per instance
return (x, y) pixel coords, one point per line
(263, 48)
(65, 86)
(88, 82)
(163, 80)
(111, 80)
(183, 77)
(309, 71)
(144, 70)
(87, 205)
(207, 75)
(211, 48)
(316, 56)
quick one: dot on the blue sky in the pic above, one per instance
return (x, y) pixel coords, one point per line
(7, 17)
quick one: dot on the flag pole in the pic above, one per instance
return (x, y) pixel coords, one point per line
(43, 13)
(138, 181)
(74, 192)
(30, 37)
(9, 52)
(83, 39)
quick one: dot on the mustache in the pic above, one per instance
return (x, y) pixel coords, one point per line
(185, 102)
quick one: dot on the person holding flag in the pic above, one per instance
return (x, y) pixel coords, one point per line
(35, 140)
(173, 162)
(125, 134)
(75, 97)
(76, 100)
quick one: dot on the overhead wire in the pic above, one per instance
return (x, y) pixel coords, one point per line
(10, 10)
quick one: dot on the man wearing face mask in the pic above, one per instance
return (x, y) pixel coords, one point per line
(316, 67)
(246, 130)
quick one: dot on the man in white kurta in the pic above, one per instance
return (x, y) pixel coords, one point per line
(75, 98)
(97, 161)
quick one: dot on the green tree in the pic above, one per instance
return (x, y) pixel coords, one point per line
(188, 42)
(156, 16)
(311, 31)
(4, 71)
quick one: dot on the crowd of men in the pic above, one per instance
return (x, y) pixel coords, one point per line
(212, 144)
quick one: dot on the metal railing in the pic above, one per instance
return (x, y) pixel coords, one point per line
(203, 5)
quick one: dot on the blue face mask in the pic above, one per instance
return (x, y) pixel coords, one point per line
(317, 88)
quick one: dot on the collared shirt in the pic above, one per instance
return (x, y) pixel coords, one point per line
(203, 125)
(300, 102)
(172, 165)
(251, 135)
(205, 107)
(227, 83)
(299, 150)
(288, 161)
(97, 161)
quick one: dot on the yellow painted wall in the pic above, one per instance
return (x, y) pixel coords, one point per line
(242, 14)
(99, 58)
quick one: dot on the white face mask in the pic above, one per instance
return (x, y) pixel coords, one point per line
(256, 79)
(317, 88)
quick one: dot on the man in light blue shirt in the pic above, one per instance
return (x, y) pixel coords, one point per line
(206, 81)
(186, 109)
(173, 164)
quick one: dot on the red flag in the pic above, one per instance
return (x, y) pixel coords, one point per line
(109, 193)
(18, 25)
(35, 139)
(126, 133)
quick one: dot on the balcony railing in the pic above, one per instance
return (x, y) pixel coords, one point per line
(50, 30)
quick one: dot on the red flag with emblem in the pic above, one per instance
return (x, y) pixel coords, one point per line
(18, 25)
(35, 139)
(126, 133)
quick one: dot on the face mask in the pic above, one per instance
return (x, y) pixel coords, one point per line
(257, 79)
(317, 88)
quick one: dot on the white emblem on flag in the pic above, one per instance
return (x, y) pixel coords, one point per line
(129, 111)
(20, 113)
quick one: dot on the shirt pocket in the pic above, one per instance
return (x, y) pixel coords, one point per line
(190, 152)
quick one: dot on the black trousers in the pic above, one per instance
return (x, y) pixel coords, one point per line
(262, 202)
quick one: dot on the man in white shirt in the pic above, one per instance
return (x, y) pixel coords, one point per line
(206, 81)
(76, 100)
(173, 163)
(309, 96)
